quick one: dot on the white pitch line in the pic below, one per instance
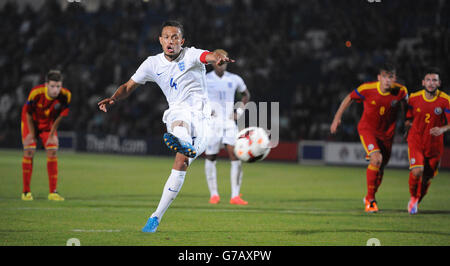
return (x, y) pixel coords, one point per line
(293, 211)
(94, 231)
(243, 210)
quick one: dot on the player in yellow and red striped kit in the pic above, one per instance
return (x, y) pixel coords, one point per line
(382, 101)
(427, 119)
(46, 105)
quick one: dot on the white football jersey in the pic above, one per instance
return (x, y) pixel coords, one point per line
(181, 80)
(221, 91)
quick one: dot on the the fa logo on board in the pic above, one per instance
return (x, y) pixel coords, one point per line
(374, 1)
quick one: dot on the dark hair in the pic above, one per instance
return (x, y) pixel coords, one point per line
(54, 75)
(388, 67)
(431, 70)
(172, 23)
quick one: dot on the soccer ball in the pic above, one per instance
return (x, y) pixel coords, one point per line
(252, 144)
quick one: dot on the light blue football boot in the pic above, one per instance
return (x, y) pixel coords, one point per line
(151, 225)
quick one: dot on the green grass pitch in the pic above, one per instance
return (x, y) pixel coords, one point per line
(109, 198)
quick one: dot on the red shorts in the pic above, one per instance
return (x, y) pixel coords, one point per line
(417, 158)
(372, 144)
(43, 135)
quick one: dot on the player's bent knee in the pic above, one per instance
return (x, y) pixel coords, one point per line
(376, 159)
(375, 162)
(417, 172)
(180, 123)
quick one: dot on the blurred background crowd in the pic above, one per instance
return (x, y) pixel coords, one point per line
(306, 55)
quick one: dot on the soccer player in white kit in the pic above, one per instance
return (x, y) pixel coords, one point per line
(222, 86)
(180, 73)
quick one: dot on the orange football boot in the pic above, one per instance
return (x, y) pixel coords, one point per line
(214, 199)
(370, 206)
(238, 200)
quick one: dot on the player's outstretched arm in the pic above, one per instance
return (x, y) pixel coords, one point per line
(337, 117)
(121, 93)
(218, 58)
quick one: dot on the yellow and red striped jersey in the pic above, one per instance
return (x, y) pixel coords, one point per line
(380, 109)
(425, 115)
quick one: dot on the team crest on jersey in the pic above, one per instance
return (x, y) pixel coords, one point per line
(370, 147)
(394, 103)
(230, 85)
(418, 110)
(438, 110)
(413, 160)
(374, 103)
(181, 66)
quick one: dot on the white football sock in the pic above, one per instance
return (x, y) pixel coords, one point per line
(211, 176)
(236, 178)
(182, 134)
(171, 188)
